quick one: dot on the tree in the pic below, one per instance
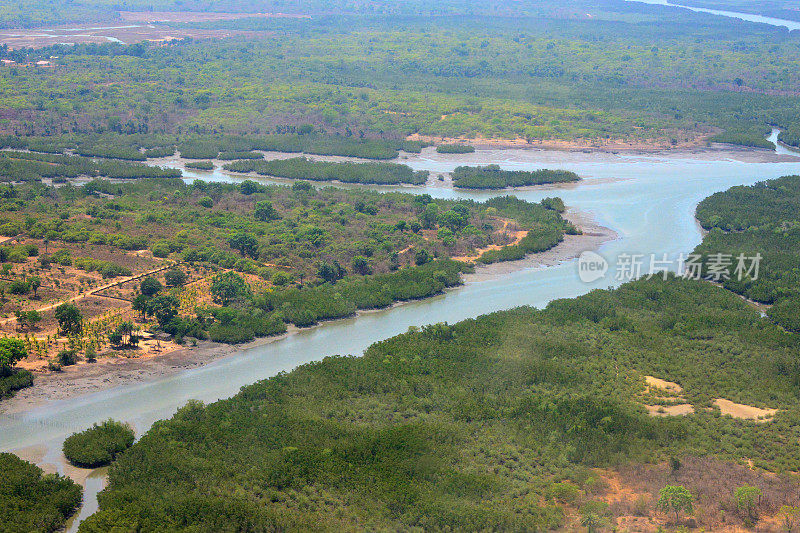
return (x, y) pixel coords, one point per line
(248, 187)
(164, 308)
(675, 498)
(454, 220)
(69, 317)
(19, 287)
(175, 277)
(245, 243)
(302, 186)
(28, 319)
(422, 256)
(11, 351)
(35, 282)
(229, 287)
(429, 216)
(141, 304)
(150, 286)
(747, 497)
(788, 514)
(264, 211)
(123, 335)
(592, 522)
(361, 265)
(331, 272)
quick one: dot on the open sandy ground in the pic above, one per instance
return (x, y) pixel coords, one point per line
(570, 248)
(194, 16)
(747, 412)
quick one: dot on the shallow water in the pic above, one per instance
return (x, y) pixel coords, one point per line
(95, 482)
(790, 24)
(647, 199)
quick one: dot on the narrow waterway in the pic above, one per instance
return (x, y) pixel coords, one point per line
(749, 17)
(648, 200)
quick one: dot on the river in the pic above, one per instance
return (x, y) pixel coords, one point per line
(648, 200)
(749, 17)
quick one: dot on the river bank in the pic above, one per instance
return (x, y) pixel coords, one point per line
(107, 373)
(694, 140)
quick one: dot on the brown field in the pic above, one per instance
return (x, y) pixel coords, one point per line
(632, 492)
(114, 32)
(102, 302)
(194, 16)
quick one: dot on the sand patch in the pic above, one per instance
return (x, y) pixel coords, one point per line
(747, 412)
(668, 386)
(687, 139)
(591, 238)
(516, 235)
(670, 393)
(194, 16)
(681, 409)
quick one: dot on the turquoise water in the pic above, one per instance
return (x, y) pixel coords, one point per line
(648, 200)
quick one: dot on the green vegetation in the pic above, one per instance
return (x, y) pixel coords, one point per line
(455, 149)
(492, 177)
(27, 166)
(464, 407)
(245, 315)
(200, 165)
(442, 427)
(98, 445)
(284, 255)
(257, 229)
(754, 139)
(33, 501)
(11, 379)
(288, 140)
(526, 70)
(762, 219)
(676, 499)
(70, 320)
(302, 168)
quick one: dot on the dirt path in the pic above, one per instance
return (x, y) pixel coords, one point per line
(518, 236)
(93, 292)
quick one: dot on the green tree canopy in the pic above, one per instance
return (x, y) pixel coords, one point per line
(675, 498)
(229, 287)
(70, 319)
(150, 286)
(245, 243)
(11, 351)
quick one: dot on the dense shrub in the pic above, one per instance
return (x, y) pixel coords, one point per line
(745, 221)
(200, 165)
(33, 501)
(14, 380)
(467, 405)
(492, 177)
(302, 168)
(98, 445)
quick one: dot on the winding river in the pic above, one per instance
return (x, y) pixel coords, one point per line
(648, 200)
(749, 17)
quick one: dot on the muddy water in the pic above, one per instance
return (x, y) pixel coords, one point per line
(95, 482)
(648, 200)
